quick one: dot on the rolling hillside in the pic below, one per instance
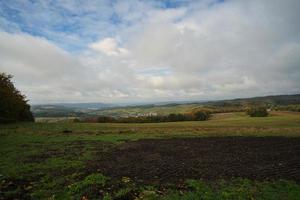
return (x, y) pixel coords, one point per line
(97, 109)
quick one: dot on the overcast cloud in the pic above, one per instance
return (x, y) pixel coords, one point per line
(99, 51)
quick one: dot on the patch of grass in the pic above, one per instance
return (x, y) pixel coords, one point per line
(90, 187)
(239, 189)
(124, 193)
(45, 163)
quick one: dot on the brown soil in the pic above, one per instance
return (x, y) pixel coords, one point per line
(175, 160)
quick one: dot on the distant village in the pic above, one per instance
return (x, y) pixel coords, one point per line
(150, 114)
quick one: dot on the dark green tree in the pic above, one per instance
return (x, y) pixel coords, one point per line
(13, 105)
(201, 115)
(257, 112)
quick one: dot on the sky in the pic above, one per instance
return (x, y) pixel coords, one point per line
(116, 51)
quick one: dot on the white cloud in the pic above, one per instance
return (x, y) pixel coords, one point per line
(108, 46)
(25, 55)
(203, 50)
(227, 48)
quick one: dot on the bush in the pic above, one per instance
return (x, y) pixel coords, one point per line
(13, 105)
(201, 115)
(257, 112)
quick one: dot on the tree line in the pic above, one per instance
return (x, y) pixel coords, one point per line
(173, 117)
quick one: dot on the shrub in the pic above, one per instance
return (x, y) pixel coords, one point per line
(201, 115)
(257, 112)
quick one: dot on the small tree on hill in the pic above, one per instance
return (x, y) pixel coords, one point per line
(13, 105)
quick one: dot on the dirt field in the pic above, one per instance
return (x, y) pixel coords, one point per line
(175, 160)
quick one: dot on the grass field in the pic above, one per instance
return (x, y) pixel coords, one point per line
(49, 160)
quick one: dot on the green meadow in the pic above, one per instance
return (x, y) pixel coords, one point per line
(49, 160)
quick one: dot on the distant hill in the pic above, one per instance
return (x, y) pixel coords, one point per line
(163, 108)
(66, 109)
(265, 100)
(85, 105)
